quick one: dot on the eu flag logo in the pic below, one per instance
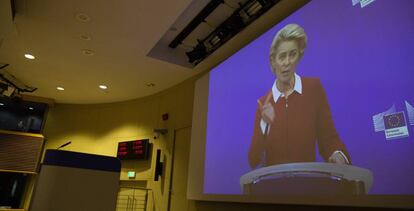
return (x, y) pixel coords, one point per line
(394, 120)
(395, 126)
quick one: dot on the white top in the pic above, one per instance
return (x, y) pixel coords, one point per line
(298, 88)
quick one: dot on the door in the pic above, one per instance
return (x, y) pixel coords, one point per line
(178, 200)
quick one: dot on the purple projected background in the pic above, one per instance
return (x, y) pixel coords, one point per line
(364, 59)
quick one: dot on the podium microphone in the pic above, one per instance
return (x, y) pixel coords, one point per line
(64, 145)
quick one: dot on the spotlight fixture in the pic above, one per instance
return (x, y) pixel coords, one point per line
(29, 56)
(246, 13)
(31, 108)
(202, 15)
(10, 85)
(1, 104)
(60, 88)
(160, 131)
(197, 53)
(150, 84)
(3, 87)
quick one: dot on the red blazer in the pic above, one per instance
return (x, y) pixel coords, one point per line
(296, 129)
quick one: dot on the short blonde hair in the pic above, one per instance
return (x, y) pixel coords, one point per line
(290, 32)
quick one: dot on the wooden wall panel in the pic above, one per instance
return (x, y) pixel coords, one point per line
(20, 152)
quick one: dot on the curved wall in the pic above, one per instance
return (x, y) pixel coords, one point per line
(97, 129)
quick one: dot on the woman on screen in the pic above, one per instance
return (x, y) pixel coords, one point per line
(294, 115)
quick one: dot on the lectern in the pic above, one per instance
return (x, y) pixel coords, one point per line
(76, 181)
(308, 179)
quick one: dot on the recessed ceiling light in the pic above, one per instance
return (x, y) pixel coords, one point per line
(1, 104)
(150, 84)
(88, 52)
(60, 88)
(103, 86)
(29, 56)
(82, 17)
(85, 37)
(31, 108)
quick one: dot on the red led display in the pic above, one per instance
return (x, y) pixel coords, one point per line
(130, 150)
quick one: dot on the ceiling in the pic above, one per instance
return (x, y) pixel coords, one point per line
(119, 34)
